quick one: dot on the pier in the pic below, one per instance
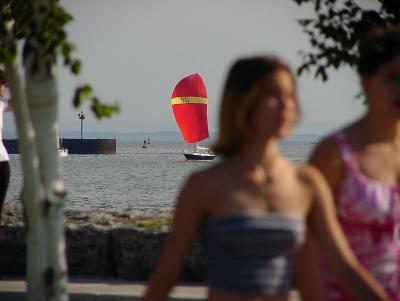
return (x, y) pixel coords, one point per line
(75, 146)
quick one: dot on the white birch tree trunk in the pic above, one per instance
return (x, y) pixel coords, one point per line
(43, 192)
(32, 190)
(48, 222)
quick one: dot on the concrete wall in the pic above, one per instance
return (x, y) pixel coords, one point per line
(75, 146)
(90, 146)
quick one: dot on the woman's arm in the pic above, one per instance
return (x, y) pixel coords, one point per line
(186, 223)
(326, 157)
(333, 244)
(307, 271)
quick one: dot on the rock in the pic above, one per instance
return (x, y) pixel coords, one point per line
(101, 244)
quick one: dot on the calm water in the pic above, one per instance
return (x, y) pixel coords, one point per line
(133, 178)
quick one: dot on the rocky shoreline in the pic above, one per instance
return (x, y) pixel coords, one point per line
(101, 243)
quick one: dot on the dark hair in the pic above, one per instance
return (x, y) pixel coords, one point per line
(242, 88)
(3, 79)
(378, 47)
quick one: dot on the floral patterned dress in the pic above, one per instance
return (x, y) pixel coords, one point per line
(369, 213)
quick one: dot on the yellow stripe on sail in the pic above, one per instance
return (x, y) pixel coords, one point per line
(185, 100)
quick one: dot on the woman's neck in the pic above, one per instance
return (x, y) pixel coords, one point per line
(259, 153)
(381, 128)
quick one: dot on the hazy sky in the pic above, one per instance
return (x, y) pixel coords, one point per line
(135, 51)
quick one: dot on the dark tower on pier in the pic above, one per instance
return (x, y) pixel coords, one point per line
(81, 116)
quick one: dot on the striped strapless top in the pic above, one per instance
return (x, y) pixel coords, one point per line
(254, 254)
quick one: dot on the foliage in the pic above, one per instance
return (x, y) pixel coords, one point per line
(336, 29)
(104, 221)
(153, 223)
(42, 33)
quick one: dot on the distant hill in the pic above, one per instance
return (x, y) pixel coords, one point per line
(154, 136)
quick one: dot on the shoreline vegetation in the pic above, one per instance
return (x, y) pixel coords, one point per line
(97, 217)
(100, 243)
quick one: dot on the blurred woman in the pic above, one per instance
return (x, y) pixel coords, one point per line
(362, 165)
(252, 208)
(4, 159)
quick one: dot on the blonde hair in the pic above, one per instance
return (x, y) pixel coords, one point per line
(241, 91)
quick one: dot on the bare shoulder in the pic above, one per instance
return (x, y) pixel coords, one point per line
(327, 158)
(192, 195)
(328, 149)
(310, 175)
(325, 150)
(195, 181)
(201, 182)
(316, 185)
(207, 173)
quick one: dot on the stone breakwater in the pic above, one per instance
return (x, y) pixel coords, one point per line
(100, 244)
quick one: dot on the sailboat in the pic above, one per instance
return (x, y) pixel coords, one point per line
(189, 105)
(62, 152)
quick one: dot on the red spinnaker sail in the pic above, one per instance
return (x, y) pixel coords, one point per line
(189, 104)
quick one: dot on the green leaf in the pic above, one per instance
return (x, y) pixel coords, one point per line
(321, 72)
(103, 110)
(76, 67)
(82, 93)
(7, 54)
(305, 22)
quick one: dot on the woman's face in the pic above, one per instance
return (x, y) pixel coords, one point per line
(276, 112)
(383, 87)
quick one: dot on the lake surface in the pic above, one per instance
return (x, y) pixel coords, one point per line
(134, 178)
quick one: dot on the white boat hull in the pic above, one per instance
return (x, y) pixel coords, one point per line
(198, 157)
(199, 154)
(62, 152)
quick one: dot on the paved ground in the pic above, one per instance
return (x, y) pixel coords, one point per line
(101, 290)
